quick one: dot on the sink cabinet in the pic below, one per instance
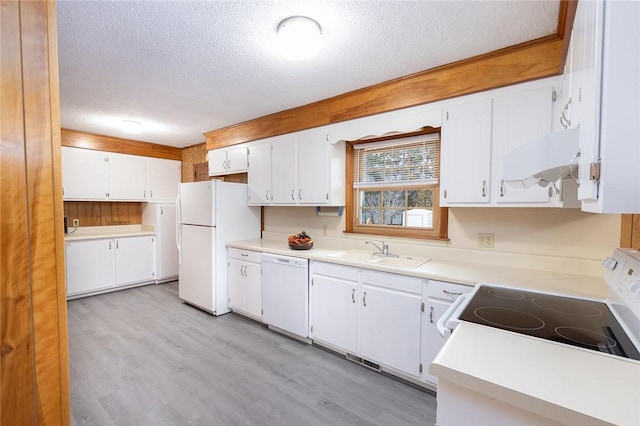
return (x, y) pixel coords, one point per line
(372, 315)
(334, 305)
(390, 320)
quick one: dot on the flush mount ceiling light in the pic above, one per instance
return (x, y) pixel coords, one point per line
(130, 126)
(299, 37)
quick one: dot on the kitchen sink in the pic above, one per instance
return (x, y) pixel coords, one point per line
(399, 262)
(407, 262)
(361, 255)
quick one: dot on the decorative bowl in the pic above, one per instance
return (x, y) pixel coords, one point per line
(301, 246)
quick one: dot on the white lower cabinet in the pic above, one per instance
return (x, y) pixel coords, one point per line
(373, 315)
(100, 265)
(390, 320)
(437, 296)
(244, 279)
(90, 266)
(334, 305)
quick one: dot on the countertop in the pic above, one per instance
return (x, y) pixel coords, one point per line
(567, 384)
(105, 232)
(453, 271)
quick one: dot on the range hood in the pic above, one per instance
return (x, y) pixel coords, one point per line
(543, 160)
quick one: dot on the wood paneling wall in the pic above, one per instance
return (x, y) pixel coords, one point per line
(192, 155)
(34, 372)
(86, 140)
(630, 231)
(103, 213)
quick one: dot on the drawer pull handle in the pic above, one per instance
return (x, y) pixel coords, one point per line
(451, 293)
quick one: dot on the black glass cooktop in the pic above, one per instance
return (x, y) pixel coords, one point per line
(576, 322)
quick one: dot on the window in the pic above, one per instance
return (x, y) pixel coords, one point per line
(395, 186)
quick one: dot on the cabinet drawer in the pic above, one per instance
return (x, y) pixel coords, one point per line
(446, 291)
(392, 281)
(246, 255)
(347, 273)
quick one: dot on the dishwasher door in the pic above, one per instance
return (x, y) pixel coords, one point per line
(285, 293)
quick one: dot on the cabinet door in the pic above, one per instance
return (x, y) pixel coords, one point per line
(235, 281)
(134, 260)
(313, 168)
(517, 119)
(466, 153)
(217, 161)
(283, 170)
(432, 341)
(89, 266)
(237, 159)
(84, 174)
(127, 177)
(259, 176)
(334, 312)
(167, 250)
(163, 178)
(389, 328)
(253, 289)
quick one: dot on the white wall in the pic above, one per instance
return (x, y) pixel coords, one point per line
(537, 231)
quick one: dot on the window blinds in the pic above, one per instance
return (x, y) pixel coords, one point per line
(401, 162)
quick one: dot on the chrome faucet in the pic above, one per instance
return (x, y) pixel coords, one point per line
(384, 250)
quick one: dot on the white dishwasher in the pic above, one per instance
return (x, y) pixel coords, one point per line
(285, 293)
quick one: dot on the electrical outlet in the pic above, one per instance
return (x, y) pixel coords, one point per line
(76, 223)
(485, 240)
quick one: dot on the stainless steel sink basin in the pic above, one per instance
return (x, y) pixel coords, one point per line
(408, 262)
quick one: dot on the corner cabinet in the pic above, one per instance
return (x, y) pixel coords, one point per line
(244, 278)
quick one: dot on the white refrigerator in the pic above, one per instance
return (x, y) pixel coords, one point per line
(209, 215)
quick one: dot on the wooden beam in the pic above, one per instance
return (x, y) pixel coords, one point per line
(94, 141)
(529, 61)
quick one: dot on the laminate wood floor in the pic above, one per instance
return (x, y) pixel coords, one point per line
(142, 357)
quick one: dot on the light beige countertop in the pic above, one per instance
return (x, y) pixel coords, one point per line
(566, 384)
(442, 267)
(106, 232)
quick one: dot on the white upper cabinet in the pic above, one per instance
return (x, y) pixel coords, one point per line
(85, 174)
(107, 176)
(127, 177)
(163, 177)
(259, 173)
(301, 168)
(605, 104)
(466, 153)
(223, 161)
(283, 170)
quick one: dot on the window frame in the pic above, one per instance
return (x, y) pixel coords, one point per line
(439, 231)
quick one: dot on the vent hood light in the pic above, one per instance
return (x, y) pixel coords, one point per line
(543, 160)
(299, 37)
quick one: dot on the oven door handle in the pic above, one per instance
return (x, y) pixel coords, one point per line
(441, 324)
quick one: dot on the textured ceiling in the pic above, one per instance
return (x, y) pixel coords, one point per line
(185, 68)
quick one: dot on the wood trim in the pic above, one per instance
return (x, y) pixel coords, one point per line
(78, 139)
(528, 61)
(626, 230)
(565, 25)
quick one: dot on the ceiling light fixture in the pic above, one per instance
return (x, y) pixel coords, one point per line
(299, 37)
(130, 126)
